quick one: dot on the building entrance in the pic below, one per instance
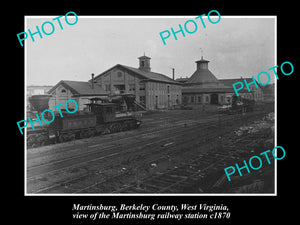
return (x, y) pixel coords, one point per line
(214, 99)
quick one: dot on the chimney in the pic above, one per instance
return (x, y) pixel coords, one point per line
(173, 73)
(92, 81)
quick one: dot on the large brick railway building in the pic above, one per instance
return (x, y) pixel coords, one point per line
(152, 90)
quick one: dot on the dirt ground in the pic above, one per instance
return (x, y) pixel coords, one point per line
(175, 151)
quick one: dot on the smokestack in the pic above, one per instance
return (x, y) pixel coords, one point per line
(92, 81)
(173, 73)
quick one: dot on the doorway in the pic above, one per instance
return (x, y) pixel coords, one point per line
(214, 99)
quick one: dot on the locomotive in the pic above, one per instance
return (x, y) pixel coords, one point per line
(100, 118)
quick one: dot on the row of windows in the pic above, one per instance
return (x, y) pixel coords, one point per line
(199, 99)
(113, 75)
(255, 96)
(193, 99)
(131, 87)
(122, 87)
(163, 86)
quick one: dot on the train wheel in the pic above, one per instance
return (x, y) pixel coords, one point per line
(115, 127)
(66, 137)
(131, 125)
(87, 133)
(84, 134)
(125, 126)
(106, 130)
(92, 132)
(31, 140)
(36, 140)
(42, 139)
(62, 138)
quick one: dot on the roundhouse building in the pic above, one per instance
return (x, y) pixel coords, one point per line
(204, 88)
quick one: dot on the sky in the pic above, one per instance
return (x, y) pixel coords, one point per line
(236, 46)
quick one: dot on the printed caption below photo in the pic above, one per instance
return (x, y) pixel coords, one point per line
(150, 212)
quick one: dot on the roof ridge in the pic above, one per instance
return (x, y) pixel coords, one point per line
(79, 87)
(146, 75)
(143, 73)
(75, 81)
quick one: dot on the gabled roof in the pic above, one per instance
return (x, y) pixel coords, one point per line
(269, 88)
(182, 79)
(147, 76)
(80, 88)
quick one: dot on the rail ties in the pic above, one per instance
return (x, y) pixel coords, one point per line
(173, 180)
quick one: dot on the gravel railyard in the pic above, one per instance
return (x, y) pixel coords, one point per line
(175, 151)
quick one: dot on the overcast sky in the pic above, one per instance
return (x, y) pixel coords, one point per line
(235, 47)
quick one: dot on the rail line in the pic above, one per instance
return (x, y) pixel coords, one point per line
(139, 149)
(177, 179)
(149, 159)
(115, 144)
(149, 156)
(170, 180)
(107, 138)
(94, 153)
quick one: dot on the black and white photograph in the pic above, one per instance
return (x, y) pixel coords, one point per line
(143, 105)
(184, 115)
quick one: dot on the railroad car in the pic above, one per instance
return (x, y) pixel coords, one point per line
(242, 105)
(239, 105)
(101, 118)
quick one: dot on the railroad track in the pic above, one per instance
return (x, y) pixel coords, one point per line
(150, 124)
(139, 148)
(144, 130)
(95, 181)
(174, 180)
(110, 149)
(195, 171)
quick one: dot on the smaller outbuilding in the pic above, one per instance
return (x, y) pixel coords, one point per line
(80, 91)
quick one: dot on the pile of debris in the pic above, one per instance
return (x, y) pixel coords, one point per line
(266, 122)
(270, 117)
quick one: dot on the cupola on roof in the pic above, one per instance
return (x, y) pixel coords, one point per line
(202, 74)
(144, 63)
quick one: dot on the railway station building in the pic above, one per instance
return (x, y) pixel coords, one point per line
(152, 90)
(202, 87)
